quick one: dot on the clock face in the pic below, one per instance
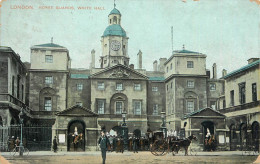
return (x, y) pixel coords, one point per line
(115, 45)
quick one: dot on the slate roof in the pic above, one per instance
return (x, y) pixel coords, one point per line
(114, 30)
(115, 11)
(77, 106)
(50, 45)
(200, 110)
(255, 63)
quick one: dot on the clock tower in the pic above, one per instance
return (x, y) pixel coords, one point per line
(114, 42)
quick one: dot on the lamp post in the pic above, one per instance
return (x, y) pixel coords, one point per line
(124, 130)
(163, 116)
(21, 117)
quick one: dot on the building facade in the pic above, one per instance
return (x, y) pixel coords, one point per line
(78, 103)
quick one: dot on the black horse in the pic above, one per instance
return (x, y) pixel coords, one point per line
(176, 144)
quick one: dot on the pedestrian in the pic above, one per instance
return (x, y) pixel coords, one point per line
(135, 140)
(103, 142)
(55, 145)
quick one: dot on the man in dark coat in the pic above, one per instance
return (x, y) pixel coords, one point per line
(103, 142)
(135, 142)
(55, 145)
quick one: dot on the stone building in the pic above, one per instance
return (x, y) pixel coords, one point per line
(13, 86)
(241, 106)
(78, 103)
(13, 74)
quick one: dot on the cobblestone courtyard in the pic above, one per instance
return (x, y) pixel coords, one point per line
(128, 157)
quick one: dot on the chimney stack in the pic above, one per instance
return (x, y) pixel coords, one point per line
(224, 72)
(139, 60)
(161, 64)
(132, 66)
(155, 66)
(214, 71)
(93, 58)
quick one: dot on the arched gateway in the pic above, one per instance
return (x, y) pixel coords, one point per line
(76, 129)
(76, 136)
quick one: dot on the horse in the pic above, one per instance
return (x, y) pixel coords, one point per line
(185, 143)
(210, 144)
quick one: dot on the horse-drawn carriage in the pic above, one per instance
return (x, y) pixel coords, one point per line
(161, 145)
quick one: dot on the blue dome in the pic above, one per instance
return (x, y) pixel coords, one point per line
(115, 11)
(114, 29)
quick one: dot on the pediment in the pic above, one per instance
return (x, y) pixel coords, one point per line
(77, 111)
(119, 72)
(206, 112)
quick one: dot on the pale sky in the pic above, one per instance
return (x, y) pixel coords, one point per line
(227, 31)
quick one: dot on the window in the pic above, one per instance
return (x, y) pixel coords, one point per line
(18, 86)
(105, 61)
(224, 104)
(22, 92)
(101, 106)
(167, 87)
(48, 80)
(13, 85)
(242, 93)
(189, 64)
(137, 107)
(119, 86)
(48, 59)
(79, 103)
(47, 104)
(213, 104)
(232, 98)
(79, 87)
(154, 89)
(254, 92)
(212, 86)
(101, 85)
(155, 109)
(167, 69)
(119, 107)
(171, 84)
(171, 66)
(137, 87)
(190, 106)
(190, 84)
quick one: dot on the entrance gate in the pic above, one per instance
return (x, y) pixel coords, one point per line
(35, 137)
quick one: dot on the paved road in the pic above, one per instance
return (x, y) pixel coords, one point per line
(128, 157)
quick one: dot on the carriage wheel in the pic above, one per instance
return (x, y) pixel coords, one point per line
(160, 147)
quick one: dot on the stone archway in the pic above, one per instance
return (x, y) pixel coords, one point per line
(137, 133)
(207, 125)
(76, 136)
(243, 135)
(255, 135)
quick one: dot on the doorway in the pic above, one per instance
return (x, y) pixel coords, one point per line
(207, 126)
(76, 136)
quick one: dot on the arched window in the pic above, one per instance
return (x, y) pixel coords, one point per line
(115, 20)
(48, 99)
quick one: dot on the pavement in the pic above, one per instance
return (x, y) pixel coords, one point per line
(94, 157)
(97, 153)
